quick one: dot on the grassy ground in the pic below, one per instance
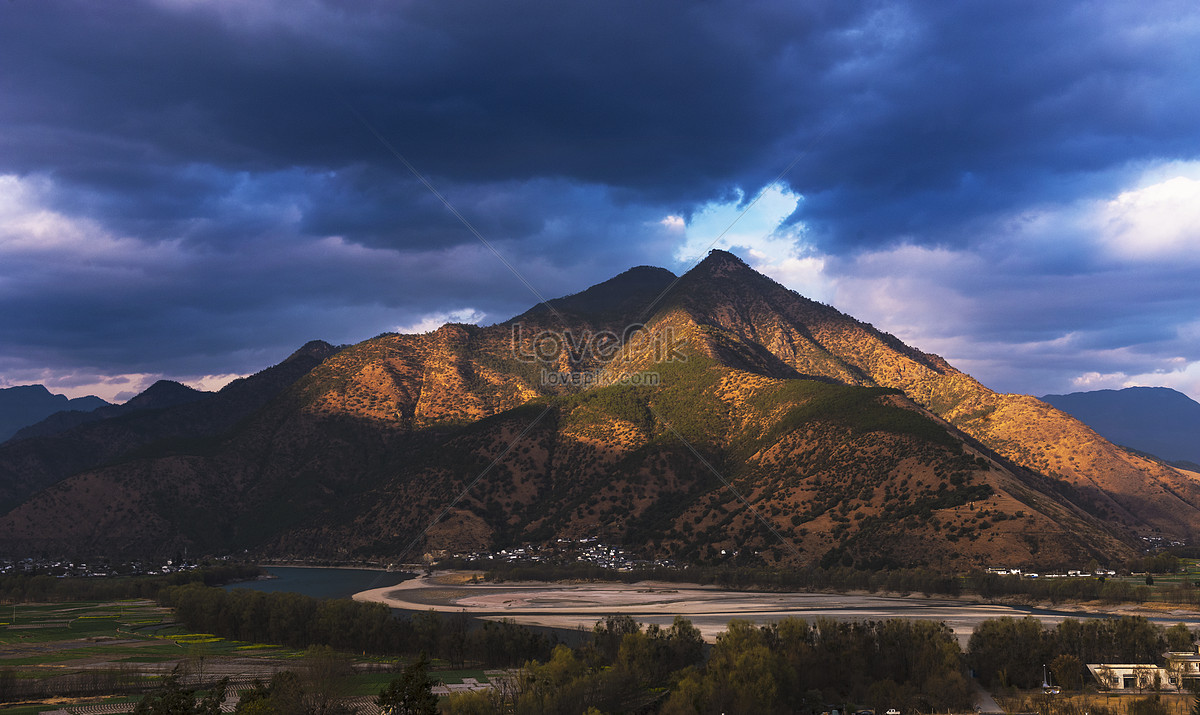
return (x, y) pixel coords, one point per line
(1088, 703)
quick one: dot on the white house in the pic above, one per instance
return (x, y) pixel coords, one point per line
(1132, 676)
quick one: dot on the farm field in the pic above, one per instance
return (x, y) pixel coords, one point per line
(77, 654)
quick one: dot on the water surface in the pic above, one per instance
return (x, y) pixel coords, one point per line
(322, 582)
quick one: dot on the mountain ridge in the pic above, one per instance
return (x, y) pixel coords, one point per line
(854, 447)
(167, 414)
(827, 342)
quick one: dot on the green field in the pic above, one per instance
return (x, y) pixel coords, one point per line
(89, 650)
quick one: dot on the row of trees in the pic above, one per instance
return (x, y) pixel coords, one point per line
(1011, 652)
(300, 621)
(793, 666)
(29, 588)
(98, 681)
(1057, 590)
(623, 668)
(897, 663)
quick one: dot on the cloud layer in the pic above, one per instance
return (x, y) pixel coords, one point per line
(193, 188)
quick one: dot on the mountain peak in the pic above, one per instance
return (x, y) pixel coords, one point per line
(165, 393)
(32, 390)
(787, 393)
(629, 291)
(719, 262)
(26, 405)
(318, 349)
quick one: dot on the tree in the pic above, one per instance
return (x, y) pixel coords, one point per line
(324, 680)
(1175, 672)
(609, 632)
(316, 690)
(411, 693)
(256, 700)
(172, 699)
(197, 653)
(1015, 647)
(454, 640)
(1107, 678)
(1143, 675)
(743, 674)
(1068, 671)
(284, 694)
(471, 702)
(1136, 640)
(428, 630)
(1180, 638)
(1162, 563)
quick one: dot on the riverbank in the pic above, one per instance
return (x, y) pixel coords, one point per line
(403, 568)
(710, 608)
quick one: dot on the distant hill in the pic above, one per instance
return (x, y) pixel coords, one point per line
(163, 420)
(160, 395)
(28, 404)
(1157, 420)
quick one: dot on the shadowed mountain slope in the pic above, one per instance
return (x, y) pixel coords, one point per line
(167, 416)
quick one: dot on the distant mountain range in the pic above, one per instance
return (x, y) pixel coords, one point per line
(160, 395)
(24, 405)
(1157, 420)
(710, 417)
(166, 418)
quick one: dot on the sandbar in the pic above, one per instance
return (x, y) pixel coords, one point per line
(709, 608)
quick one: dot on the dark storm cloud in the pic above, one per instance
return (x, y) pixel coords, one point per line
(980, 107)
(672, 101)
(912, 118)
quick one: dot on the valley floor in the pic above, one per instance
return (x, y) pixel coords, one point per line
(709, 608)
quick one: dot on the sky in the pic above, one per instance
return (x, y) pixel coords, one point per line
(192, 189)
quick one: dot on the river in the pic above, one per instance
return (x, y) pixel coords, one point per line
(567, 621)
(322, 582)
